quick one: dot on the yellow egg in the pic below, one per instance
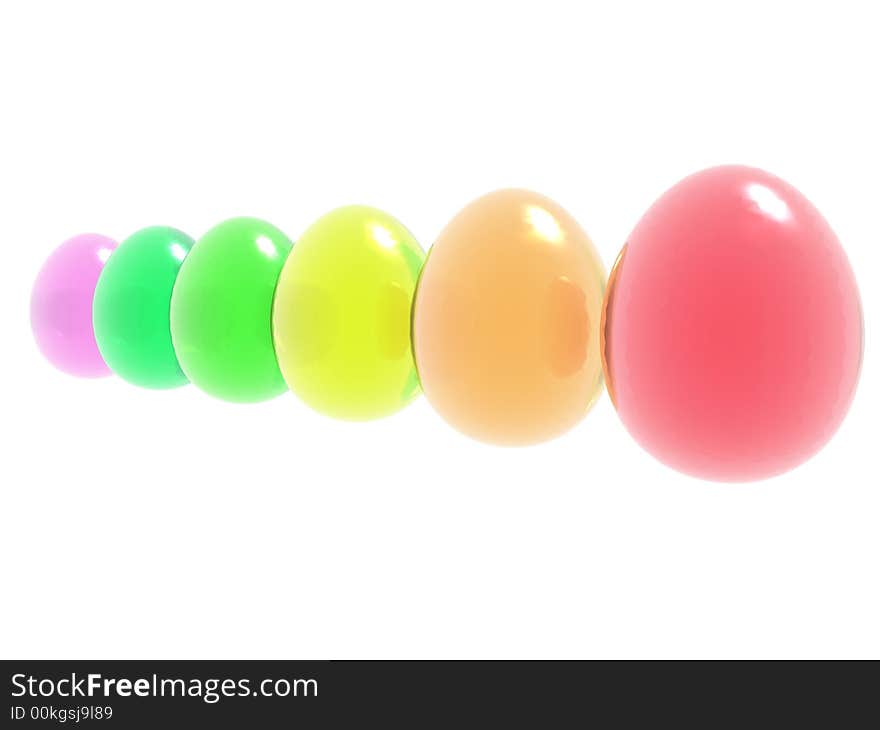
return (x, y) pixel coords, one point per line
(341, 318)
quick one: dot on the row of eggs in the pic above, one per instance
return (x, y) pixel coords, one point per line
(730, 334)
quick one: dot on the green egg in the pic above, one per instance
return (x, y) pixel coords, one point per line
(221, 310)
(131, 307)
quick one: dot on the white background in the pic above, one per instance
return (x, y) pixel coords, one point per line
(139, 524)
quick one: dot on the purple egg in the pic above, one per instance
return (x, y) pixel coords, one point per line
(61, 305)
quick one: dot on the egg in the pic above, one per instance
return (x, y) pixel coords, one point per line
(221, 310)
(341, 318)
(733, 327)
(506, 320)
(61, 305)
(131, 310)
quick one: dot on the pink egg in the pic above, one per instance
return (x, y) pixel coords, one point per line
(61, 305)
(733, 327)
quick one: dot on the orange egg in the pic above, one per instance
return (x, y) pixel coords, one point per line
(506, 320)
